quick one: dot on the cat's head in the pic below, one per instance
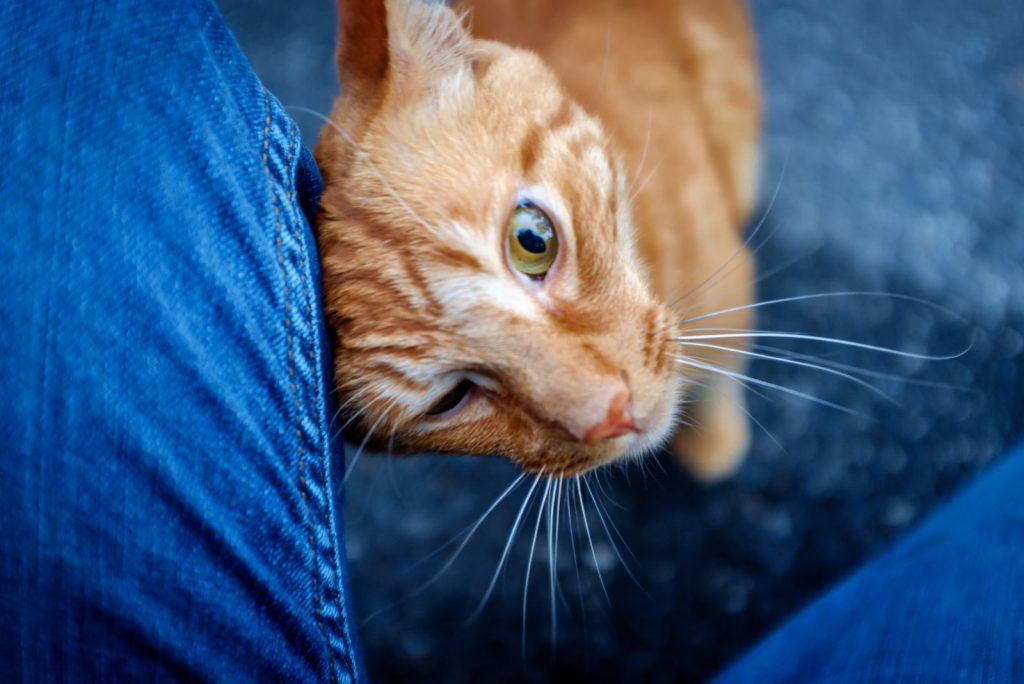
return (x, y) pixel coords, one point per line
(478, 254)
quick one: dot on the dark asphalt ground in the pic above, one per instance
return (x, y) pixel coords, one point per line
(901, 129)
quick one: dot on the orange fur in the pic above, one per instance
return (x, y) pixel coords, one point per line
(634, 125)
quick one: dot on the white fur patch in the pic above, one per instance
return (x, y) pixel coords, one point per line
(459, 295)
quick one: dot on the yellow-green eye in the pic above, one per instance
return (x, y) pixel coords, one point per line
(532, 240)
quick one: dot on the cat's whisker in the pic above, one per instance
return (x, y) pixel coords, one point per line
(470, 528)
(878, 375)
(819, 358)
(657, 462)
(558, 522)
(357, 395)
(373, 167)
(529, 561)
(350, 468)
(644, 471)
(822, 362)
(718, 272)
(655, 465)
(759, 424)
(391, 467)
(747, 387)
(794, 362)
(468, 532)
(553, 511)
(344, 405)
(611, 540)
(570, 514)
(601, 484)
(779, 268)
(505, 552)
(590, 539)
(608, 517)
(687, 361)
(558, 537)
(643, 155)
(823, 295)
(826, 340)
(740, 406)
(353, 418)
(644, 182)
(465, 534)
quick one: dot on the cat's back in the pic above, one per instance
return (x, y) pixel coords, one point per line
(675, 83)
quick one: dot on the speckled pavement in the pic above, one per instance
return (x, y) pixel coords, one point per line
(900, 126)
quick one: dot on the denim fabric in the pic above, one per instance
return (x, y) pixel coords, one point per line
(167, 467)
(945, 605)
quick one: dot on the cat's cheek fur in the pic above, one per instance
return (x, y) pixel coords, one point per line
(531, 429)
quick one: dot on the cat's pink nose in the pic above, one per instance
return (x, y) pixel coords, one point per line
(619, 420)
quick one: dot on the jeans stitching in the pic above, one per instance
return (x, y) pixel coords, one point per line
(303, 486)
(331, 591)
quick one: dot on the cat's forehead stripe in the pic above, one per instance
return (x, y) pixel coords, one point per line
(533, 141)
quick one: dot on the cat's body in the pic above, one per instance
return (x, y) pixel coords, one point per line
(637, 135)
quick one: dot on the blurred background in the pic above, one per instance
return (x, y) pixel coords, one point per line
(900, 126)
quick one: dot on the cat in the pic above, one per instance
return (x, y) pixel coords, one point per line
(524, 202)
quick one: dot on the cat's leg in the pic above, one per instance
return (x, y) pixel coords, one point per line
(717, 435)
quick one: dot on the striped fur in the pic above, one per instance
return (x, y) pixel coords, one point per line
(437, 135)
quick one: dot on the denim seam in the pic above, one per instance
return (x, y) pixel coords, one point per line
(279, 231)
(331, 589)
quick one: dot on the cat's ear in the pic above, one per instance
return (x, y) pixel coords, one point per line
(362, 42)
(411, 44)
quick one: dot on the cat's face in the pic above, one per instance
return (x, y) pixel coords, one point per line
(479, 261)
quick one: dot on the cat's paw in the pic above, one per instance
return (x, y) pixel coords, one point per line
(713, 447)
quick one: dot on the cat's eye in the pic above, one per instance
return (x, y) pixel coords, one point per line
(452, 399)
(532, 240)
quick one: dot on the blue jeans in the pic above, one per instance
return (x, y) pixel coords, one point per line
(169, 476)
(946, 604)
(171, 504)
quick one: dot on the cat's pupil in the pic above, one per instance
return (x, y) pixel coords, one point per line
(531, 241)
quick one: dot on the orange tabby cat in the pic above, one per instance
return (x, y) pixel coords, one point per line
(511, 232)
